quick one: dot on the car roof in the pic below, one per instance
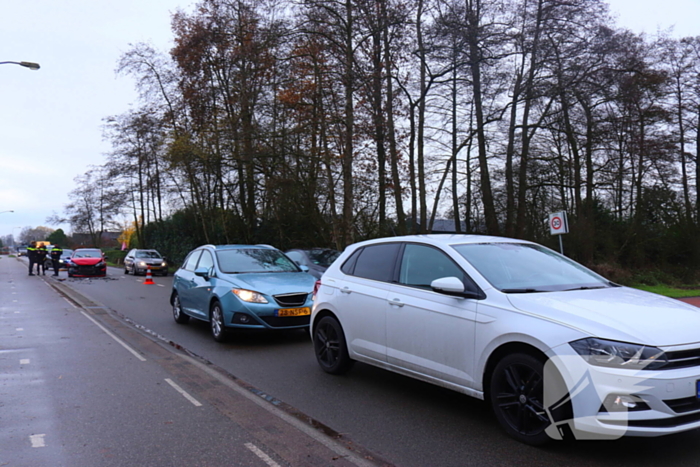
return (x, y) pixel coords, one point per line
(446, 239)
(240, 247)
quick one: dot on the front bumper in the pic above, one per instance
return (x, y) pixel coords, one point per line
(87, 271)
(664, 401)
(241, 315)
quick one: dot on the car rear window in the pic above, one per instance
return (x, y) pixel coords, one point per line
(377, 262)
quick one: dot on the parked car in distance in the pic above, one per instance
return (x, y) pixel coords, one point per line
(556, 350)
(138, 261)
(65, 257)
(87, 262)
(316, 259)
(242, 286)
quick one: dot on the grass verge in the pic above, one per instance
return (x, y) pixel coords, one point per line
(669, 291)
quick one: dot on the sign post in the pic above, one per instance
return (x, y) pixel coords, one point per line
(559, 225)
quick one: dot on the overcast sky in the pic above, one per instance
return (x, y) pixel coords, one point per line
(50, 120)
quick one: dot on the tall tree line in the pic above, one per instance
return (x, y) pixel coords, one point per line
(314, 122)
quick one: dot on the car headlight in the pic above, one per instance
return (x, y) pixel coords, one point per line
(601, 352)
(100, 264)
(163, 264)
(142, 263)
(249, 296)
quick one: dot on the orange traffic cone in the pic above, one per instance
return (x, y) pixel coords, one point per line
(149, 277)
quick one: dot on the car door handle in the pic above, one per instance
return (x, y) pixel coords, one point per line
(345, 290)
(396, 302)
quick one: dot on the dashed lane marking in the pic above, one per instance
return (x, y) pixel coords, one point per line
(24, 361)
(37, 441)
(184, 393)
(110, 334)
(265, 458)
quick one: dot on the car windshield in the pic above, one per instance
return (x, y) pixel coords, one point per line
(247, 260)
(147, 254)
(323, 258)
(87, 254)
(524, 268)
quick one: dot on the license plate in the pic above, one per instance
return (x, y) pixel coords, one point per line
(294, 311)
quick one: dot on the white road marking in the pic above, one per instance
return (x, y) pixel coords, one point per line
(265, 458)
(24, 361)
(70, 303)
(119, 341)
(19, 329)
(37, 441)
(194, 401)
(331, 444)
(16, 312)
(160, 285)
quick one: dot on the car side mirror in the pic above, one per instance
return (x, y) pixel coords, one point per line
(452, 286)
(303, 268)
(106, 257)
(202, 272)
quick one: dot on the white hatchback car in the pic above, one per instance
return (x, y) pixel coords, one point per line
(556, 349)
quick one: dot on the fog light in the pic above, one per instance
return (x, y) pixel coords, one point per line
(241, 318)
(623, 403)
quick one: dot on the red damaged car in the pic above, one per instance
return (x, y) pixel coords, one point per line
(86, 262)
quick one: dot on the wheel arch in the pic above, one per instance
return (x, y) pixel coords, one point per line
(212, 300)
(502, 351)
(322, 314)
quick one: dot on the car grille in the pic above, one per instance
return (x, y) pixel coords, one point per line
(686, 404)
(283, 322)
(296, 299)
(682, 359)
(86, 270)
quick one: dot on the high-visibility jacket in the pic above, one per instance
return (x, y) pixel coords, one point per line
(56, 252)
(41, 253)
(31, 253)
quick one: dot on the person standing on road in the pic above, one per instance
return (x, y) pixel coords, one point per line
(56, 253)
(41, 259)
(31, 256)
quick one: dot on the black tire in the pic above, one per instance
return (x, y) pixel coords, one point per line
(179, 315)
(330, 347)
(126, 271)
(216, 322)
(516, 392)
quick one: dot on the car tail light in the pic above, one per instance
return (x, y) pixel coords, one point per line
(317, 285)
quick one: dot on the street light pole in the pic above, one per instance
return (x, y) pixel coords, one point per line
(30, 65)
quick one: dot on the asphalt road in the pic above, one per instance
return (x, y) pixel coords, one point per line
(80, 388)
(407, 422)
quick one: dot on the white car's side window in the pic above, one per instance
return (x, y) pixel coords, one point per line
(422, 264)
